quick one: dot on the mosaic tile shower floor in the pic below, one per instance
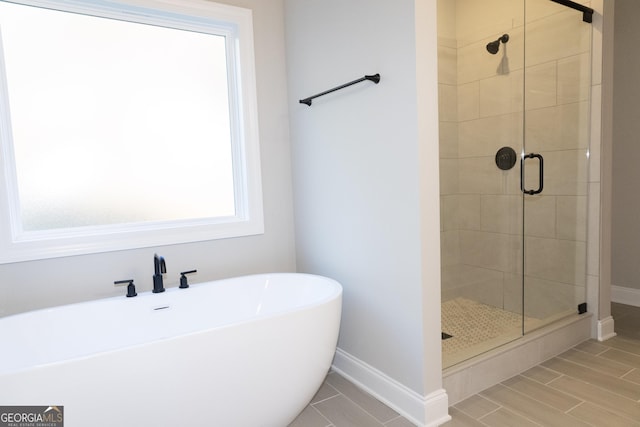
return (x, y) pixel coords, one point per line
(477, 328)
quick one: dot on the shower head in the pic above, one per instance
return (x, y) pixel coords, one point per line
(494, 46)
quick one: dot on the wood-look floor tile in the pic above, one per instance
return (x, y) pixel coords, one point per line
(476, 406)
(598, 416)
(541, 396)
(506, 418)
(460, 419)
(607, 366)
(608, 382)
(542, 393)
(530, 409)
(633, 376)
(541, 374)
(596, 395)
(399, 422)
(592, 346)
(342, 412)
(325, 392)
(370, 404)
(632, 346)
(595, 383)
(310, 418)
(620, 356)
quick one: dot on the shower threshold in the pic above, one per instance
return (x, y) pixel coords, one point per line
(478, 373)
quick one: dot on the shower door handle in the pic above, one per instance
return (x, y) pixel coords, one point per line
(541, 170)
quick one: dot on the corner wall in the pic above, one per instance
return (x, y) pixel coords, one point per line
(366, 188)
(625, 268)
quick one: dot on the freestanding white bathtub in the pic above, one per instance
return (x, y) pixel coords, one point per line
(248, 352)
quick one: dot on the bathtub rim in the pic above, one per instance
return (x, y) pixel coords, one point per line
(172, 289)
(334, 297)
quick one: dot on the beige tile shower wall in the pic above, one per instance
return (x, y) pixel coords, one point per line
(449, 188)
(482, 206)
(448, 125)
(478, 20)
(490, 99)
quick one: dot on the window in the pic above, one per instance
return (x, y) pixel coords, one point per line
(125, 126)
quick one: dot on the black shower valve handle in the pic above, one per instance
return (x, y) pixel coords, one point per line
(183, 278)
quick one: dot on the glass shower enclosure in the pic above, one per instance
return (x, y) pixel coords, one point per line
(514, 96)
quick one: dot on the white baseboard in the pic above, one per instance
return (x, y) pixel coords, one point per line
(605, 329)
(628, 296)
(427, 411)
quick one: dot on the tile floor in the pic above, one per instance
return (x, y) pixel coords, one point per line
(339, 403)
(593, 384)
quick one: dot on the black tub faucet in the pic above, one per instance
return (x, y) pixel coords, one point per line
(159, 267)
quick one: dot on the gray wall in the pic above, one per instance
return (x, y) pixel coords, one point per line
(625, 262)
(36, 284)
(357, 176)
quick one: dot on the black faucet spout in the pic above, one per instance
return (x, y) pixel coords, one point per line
(159, 267)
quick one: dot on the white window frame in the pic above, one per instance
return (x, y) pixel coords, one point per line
(197, 15)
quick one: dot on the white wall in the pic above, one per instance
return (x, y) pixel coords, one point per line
(428, 147)
(363, 162)
(30, 285)
(356, 171)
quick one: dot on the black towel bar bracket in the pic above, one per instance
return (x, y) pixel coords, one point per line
(587, 12)
(373, 78)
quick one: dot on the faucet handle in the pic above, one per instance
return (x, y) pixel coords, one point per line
(183, 279)
(131, 288)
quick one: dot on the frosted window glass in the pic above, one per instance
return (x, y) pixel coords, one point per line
(115, 122)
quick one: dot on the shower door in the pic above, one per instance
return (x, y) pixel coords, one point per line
(481, 62)
(557, 81)
(514, 94)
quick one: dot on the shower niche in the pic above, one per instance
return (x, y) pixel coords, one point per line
(512, 74)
